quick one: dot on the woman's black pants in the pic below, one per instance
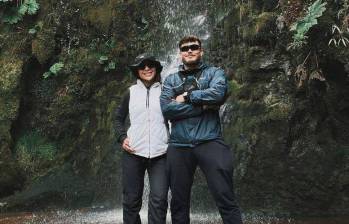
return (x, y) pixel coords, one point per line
(133, 171)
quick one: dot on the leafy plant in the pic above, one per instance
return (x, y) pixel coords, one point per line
(111, 66)
(102, 59)
(29, 7)
(36, 28)
(15, 12)
(303, 75)
(303, 25)
(339, 37)
(54, 70)
(341, 32)
(108, 65)
(105, 52)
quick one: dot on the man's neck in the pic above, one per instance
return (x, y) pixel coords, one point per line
(191, 67)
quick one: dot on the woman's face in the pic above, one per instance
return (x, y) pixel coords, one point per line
(147, 72)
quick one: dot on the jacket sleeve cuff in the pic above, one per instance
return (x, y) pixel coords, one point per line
(193, 97)
(122, 138)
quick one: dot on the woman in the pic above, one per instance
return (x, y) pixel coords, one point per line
(144, 144)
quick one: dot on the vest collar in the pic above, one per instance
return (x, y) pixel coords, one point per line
(154, 85)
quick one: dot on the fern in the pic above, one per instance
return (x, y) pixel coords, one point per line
(32, 6)
(303, 25)
(110, 66)
(14, 14)
(102, 59)
(54, 70)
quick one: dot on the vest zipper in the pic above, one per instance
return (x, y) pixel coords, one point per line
(148, 112)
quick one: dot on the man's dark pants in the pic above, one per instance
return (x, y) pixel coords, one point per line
(133, 171)
(215, 160)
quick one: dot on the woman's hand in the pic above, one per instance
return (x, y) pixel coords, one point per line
(126, 146)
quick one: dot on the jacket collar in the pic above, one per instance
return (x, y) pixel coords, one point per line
(182, 70)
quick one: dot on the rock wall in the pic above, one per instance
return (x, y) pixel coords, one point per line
(57, 136)
(289, 135)
(289, 132)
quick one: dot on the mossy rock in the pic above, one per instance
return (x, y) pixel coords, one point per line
(260, 29)
(81, 61)
(5, 127)
(10, 178)
(265, 22)
(43, 45)
(9, 107)
(10, 73)
(101, 16)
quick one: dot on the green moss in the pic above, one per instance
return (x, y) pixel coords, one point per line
(101, 16)
(234, 87)
(244, 10)
(241, 73)
(258, 28)
(5, 135)
(10, 71)
(264, 22)
(81, 61)
(34, 153)
(9, 107)
(278, 112)
(43, 45)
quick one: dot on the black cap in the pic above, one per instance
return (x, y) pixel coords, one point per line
(145, 57)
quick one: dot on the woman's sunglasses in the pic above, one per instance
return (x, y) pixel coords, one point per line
(149, 64)
(192, 47)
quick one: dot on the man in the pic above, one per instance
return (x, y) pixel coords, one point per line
(190, 99)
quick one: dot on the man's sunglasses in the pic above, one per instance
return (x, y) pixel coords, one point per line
(149, 64)
(192, 47)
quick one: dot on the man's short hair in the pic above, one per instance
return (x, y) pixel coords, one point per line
(188, 39)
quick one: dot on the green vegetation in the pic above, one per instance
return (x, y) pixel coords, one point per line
(105, 58)
(54, 70)
(14, 12)
(303, 25)
(108, 65)
(34, 152)
(36, 28)
(340, 33)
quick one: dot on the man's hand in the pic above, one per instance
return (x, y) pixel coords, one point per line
(180, 98)
(126, 146)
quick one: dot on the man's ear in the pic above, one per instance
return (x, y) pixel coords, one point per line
(202, 52)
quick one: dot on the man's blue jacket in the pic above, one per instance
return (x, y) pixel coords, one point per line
(194, 122)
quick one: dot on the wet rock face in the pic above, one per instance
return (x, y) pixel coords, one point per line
(10, 74)
(72, 111)
(289, 140)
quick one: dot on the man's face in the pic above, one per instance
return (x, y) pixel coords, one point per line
(191, 53)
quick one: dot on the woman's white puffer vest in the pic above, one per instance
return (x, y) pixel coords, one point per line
(148, 133)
